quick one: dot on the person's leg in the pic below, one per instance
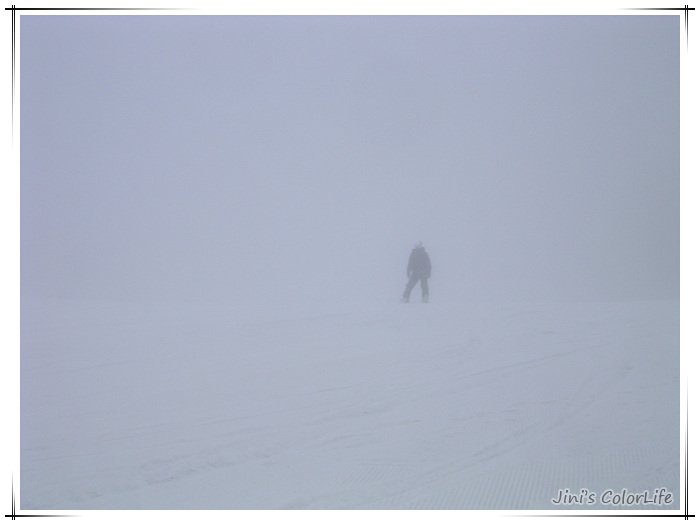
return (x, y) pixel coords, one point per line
(424, 288)
(409, 286)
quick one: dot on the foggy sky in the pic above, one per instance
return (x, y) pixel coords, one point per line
(232, 158)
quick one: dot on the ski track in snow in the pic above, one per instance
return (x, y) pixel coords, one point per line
(439, 406)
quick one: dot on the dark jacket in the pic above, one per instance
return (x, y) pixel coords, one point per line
(419, 263)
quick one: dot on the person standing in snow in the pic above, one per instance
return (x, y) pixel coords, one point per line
(418, 270)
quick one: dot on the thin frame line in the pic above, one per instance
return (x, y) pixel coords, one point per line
(687, 424)
(99, 8)
(14, 8)
(12, 121)
(686, 16)
(602, 516)
(686, 10)
(14, 514)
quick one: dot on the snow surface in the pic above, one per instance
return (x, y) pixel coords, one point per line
(346, 406)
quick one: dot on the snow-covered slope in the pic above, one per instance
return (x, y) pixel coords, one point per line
(381, 406)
